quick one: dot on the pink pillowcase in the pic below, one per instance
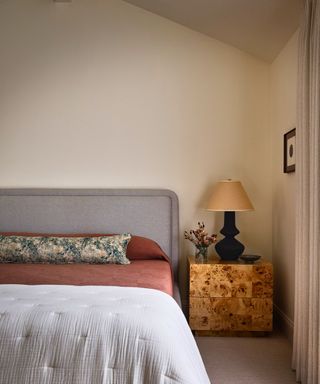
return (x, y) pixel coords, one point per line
(142, 248)
(139, 248)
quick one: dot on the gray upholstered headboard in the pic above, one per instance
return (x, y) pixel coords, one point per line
(150, 213)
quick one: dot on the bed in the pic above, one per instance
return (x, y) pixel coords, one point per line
(85, 323)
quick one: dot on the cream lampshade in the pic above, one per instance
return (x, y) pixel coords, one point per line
(229, 196)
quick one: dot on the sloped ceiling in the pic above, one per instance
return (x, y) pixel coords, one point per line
(258, 27)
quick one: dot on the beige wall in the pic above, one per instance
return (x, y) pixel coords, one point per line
(283, 118)
(103, 94)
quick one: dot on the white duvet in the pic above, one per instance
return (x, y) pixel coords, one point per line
(94, 335)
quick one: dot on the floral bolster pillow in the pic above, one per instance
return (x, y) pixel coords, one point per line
(64, 250)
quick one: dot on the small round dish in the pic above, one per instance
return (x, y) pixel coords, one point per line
(250, 259)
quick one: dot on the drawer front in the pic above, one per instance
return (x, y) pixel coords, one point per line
(230, 314)
(229, 297)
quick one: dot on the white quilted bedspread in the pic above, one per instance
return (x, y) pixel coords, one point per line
(94, 335)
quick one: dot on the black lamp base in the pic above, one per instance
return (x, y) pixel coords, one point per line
(229, 248)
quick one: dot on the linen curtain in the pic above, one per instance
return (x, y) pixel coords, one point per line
(306, 350)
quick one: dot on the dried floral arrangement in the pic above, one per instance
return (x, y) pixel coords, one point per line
(200, 238)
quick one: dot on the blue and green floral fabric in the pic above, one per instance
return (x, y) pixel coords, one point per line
(64, 250)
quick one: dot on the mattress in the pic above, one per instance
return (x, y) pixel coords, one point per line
(155, 274)
(97, 335)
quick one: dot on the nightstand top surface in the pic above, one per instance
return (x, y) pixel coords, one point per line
(216, 260)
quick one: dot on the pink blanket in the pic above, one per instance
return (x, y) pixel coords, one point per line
(154, 274)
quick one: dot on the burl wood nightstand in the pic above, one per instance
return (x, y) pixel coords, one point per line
(228, 298)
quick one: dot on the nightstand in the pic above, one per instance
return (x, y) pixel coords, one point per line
(230, 297)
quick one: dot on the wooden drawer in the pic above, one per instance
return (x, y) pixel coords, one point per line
(230, 296)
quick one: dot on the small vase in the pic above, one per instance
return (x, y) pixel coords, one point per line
(201, 254)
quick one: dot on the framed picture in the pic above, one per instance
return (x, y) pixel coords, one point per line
(289, 151)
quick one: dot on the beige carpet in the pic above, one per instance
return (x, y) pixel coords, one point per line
(247, 360)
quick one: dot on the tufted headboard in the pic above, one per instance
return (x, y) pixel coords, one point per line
(150, 213)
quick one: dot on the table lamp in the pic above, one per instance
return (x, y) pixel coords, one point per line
(230, 197)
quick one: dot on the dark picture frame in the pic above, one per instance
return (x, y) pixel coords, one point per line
(289, 151)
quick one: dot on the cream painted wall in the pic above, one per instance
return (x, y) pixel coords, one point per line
(283, 118)
(103, 94)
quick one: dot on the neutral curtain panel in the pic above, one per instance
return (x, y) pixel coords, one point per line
(306, 351)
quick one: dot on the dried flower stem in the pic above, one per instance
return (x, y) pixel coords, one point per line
(199, 237)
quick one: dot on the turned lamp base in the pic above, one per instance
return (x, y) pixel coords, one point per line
(229, 248)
